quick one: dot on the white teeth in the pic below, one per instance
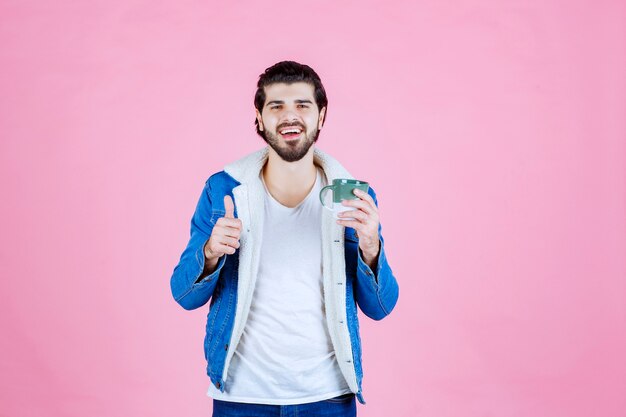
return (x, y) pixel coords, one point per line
(283, 132)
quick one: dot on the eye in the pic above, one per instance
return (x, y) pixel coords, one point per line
(303, 106)
(276, 107)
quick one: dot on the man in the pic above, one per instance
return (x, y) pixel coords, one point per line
(283, 276)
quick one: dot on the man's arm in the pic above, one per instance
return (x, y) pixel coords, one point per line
(194, 278)
(370, 259)
(210, 265)
(376, 288)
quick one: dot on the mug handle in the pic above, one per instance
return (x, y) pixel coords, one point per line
(322, 191)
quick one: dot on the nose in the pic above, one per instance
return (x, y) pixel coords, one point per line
(289, 116)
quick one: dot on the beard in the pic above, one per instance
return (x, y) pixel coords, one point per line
(293, 150)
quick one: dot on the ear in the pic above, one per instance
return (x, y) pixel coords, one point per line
(259, 119)
(321, 118)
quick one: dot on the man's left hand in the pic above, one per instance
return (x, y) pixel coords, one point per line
(365, 222)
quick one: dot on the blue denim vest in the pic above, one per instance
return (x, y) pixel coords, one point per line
(348, 281)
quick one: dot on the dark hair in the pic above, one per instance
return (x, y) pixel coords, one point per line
(289, 72)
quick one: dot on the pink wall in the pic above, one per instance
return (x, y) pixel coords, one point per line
(493, 132)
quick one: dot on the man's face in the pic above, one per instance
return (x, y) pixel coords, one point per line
(290, 120)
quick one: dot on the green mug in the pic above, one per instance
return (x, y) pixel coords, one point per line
(343, 189)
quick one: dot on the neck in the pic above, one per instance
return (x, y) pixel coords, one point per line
(289, 178)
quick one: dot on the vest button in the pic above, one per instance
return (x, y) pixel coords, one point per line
(217, 384)
(226, 347)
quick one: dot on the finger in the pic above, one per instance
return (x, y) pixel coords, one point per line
(229, 222)
(366, 197)
(231, 232)
(355, 224)
(229, 241)
(220, 248)
(229, 206)
(357, 214)
(358, 203)
(226, 230)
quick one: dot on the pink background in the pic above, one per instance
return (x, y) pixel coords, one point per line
(492, 131)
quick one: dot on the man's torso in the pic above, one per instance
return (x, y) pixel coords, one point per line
(285, 355)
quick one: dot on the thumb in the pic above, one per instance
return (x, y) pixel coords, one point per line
(229, 206)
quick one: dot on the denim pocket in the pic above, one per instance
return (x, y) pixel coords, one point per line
(344, 398)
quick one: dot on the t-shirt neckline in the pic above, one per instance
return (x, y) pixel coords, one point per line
(318, 178)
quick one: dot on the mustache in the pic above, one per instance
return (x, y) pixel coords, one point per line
(290, 125)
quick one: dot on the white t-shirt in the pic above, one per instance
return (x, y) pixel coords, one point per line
(285, 355)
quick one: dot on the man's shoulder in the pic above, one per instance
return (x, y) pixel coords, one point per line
(221, 179)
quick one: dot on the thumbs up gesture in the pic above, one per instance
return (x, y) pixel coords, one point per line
(225, 235)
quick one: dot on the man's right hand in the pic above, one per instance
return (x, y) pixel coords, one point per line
(225, 235)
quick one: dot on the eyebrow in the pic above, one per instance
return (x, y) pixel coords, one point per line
(282, 102)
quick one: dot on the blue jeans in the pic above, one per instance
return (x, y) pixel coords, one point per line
(341, 406)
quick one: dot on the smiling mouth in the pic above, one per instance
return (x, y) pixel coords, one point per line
(290, 132)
